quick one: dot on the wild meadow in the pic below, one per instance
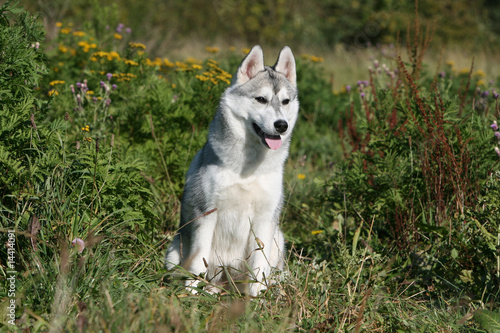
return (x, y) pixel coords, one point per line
(392, 214)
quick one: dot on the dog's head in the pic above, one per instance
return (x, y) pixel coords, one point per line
(266, 97)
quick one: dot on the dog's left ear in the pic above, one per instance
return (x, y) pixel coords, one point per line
(286, 65)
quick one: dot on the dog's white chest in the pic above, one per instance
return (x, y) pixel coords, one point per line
(249, 196)
(242, 206)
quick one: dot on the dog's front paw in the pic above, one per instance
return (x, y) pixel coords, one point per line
(254, 289)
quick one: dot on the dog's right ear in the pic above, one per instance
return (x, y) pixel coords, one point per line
(251, 65)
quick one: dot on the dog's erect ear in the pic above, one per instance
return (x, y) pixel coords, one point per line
(286, 65)
(251, 65)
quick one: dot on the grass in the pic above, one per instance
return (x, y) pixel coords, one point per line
(367, 248)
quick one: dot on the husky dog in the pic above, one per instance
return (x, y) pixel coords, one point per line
(234, 187)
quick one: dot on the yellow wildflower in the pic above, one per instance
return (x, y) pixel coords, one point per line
(153, 63)
(245, 50)
(481, 83)
(58, 24)
(90, 92)
(191, 60)
(450, 63)
(480, 73)
(168, 63)
(55, 82)
(53, 92)
(63, 48)
(130, 62)
(212, 49)
(316, 232)
(137, 45)
(222, 78)
(301, 176)
(465, 70)
(196, 66)
(66, 31)
(79, 33)
(317, 59)
(117, 36)
(181, 66)
(201, 77)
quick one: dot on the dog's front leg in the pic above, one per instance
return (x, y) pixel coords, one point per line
(201, 247)
(260, 244)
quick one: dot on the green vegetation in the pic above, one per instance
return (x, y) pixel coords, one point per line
(163, 25)
(392, 217)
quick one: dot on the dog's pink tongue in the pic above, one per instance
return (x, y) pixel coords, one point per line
(273, 143)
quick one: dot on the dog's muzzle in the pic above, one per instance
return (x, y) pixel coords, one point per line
(269, 140)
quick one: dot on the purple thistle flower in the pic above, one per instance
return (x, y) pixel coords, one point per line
(79, 243)
(348, 88)
(102, 84)
(78, 85)
(486, 93)
(494, 126)
(128, 30)
(497, 150)
(362, 95)
(108, 101)
(495, 94)
(442, 74)
(367, 83)
(497, 135)
(72, 89)
(109, 75)
(120, 27)
(94, 99)
(114, 86)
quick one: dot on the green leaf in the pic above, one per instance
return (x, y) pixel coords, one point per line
(488, 320)
(466, 275)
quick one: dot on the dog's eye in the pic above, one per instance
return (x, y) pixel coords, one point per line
(261, 100)
(285, 101)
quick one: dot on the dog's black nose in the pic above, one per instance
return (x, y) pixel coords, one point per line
(281, 126)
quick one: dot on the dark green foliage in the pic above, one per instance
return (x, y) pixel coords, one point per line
(309, 23)
(21, 68)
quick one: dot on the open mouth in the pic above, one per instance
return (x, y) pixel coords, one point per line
(270, 141)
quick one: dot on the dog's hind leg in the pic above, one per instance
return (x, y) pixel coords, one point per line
(173, 255)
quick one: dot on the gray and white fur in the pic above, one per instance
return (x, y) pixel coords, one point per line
(238, 177)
